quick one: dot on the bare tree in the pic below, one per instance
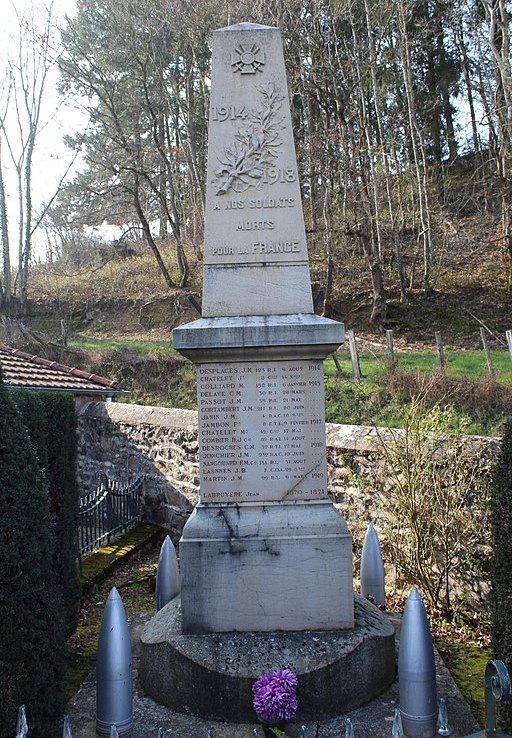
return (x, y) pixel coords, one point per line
(20, 124)
(5, 282)
(498, 17)
(417, 142)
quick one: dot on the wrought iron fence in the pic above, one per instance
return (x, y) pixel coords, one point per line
(108, 511)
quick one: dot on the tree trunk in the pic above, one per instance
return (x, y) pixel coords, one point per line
(417, 143)
(499, 41)
(24, 265)
(378, 314)
(162, 179)
(7, 287)
(149, 237)
(384, 155)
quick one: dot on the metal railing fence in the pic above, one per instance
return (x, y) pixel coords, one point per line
(111, 509)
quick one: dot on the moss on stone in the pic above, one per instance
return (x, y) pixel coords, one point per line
(467, 662)
(102, 562)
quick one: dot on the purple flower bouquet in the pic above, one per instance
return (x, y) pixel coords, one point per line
(275, 698)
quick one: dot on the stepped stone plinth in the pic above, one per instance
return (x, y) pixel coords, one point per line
(212, 675)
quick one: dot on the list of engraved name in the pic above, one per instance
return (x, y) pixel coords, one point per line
(261, 430)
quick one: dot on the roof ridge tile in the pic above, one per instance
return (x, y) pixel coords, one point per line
(58, 367)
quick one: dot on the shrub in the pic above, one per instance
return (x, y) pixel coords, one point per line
(50, 419)
(346, 402)
(486, 404)
(32, 642)
(34, 419)
(434, 502)
(501, 566)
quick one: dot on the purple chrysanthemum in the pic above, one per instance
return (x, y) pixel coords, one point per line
(274, 695)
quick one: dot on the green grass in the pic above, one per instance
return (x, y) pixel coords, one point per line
(156, 375)
(459, 364)
(144, 347)
(481, 405)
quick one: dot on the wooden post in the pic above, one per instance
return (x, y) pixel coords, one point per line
(508, 335)
(487, 352)
(440, 352)
(354, 358)
(390, 353)
(63, 333)
(337, 364)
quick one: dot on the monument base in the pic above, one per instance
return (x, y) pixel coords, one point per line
(212, 675)
(266, 566)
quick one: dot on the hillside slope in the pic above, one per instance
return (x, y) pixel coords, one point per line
(127, 297)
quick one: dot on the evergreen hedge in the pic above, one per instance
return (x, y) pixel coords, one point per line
(62, 449)
(32, 630)
(50, 418)
(34, 419)
(501, 566)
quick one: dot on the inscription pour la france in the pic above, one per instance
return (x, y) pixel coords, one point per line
(269, 176)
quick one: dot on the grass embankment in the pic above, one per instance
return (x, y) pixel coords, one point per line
(464, 643)
(460, 364)
(99, 564)
(482, 403)
(466, 663)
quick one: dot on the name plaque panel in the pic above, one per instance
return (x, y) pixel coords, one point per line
(261, 431)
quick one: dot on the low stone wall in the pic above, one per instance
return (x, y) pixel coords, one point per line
(123, 441)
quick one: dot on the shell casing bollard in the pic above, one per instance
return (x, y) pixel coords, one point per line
(167, 575)
(21, 723)
(397, 730)
(66, 728)
(372, 568)
(443, 727)
(417, 671)
(114, 681)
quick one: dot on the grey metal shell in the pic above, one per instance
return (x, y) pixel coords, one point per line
(167, 575)
(417, 671)
(114, 681)
(372, 568)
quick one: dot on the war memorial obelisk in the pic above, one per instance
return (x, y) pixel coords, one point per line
(265, 549)
(265, 556)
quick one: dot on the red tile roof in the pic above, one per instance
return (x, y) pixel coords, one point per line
(20, 369)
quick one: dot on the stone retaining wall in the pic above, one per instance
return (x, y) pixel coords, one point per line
(122, 441)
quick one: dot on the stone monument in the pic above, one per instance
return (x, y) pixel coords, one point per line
(265, 556)
(265, 549)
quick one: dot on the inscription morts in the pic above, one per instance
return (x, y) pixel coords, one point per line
(261, 434)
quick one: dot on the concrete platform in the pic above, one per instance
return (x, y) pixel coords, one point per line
(373, 720)
(212, 675)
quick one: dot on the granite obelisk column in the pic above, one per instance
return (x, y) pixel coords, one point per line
(264, 549)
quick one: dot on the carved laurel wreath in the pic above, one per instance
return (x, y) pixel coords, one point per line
(255, 145)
